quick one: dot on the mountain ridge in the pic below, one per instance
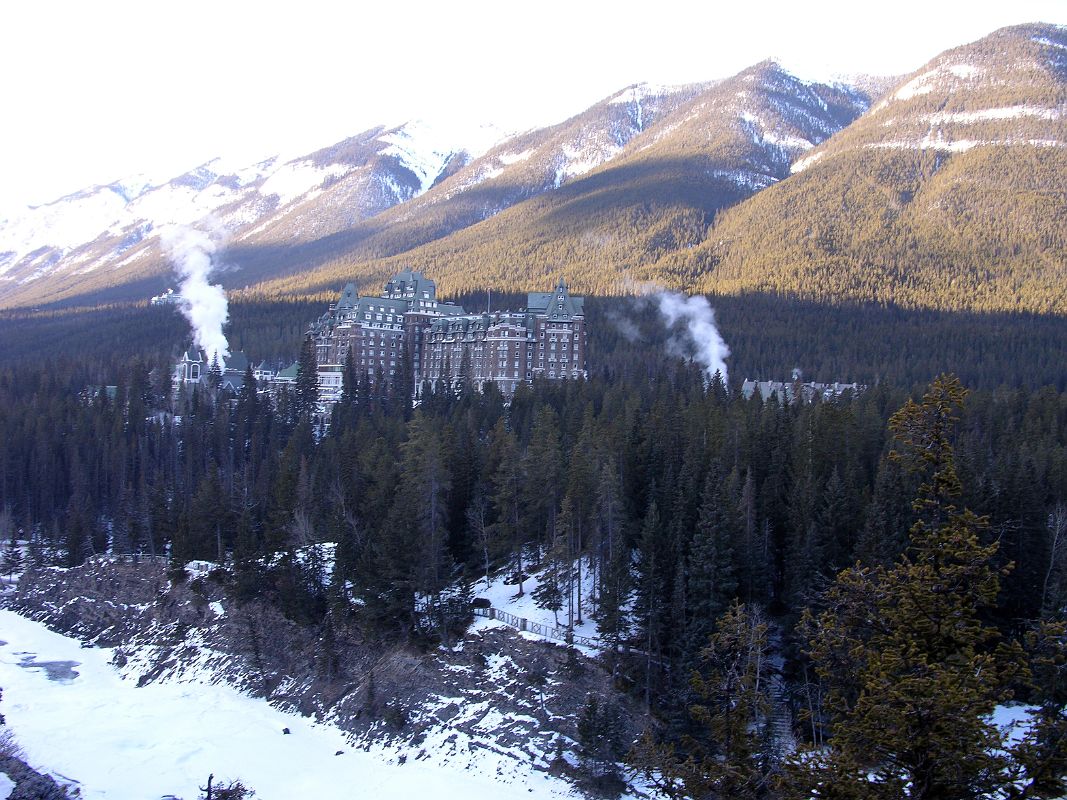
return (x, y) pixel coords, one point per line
(757, 182)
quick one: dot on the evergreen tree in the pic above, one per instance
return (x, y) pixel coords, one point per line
(728, 754)
(711, 576)
(601, 739)
(613, 556)
(306, 389)
(911, 670)
(12, 560)
(349, 383)
(506, 475)
(544, 461)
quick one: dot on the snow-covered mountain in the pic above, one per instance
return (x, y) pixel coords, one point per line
(625, 184)
(114, 228)
(948, 193)
(1006, 89)
(636, 175)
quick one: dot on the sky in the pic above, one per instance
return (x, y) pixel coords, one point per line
(93, 92)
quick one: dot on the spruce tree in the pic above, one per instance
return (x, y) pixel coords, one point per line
(711, 576)
(911, 669)
(306, 389)
(614, 556)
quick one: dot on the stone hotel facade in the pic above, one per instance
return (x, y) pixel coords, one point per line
(407, 327)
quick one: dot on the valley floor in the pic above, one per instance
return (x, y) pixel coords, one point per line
(77, 718)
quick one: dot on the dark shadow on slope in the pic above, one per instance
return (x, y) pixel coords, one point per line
(768, 337)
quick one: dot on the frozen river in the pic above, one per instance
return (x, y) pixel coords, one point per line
(74, 716)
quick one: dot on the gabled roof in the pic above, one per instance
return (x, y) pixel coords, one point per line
(237, 362)
(233, 380)
(348, 297)
(549, 303)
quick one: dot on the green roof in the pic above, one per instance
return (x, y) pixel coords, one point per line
(548, 303)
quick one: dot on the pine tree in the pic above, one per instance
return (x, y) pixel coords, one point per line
(727, 755)
(711, 577)
(306, 389)
(544, 462)
(349, 383)
(614, 556)
(652, 603)
(506, 475)
(214, 373)
(601, 738)
(12, 560)
(911, 670)
(556, 587)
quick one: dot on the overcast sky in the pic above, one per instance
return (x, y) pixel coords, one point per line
(95, 91)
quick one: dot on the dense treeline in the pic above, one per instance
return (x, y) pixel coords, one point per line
(691, 524)
(768, 337)
(650, 470)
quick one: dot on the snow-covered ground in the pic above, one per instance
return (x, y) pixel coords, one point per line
(75, 717)
(505, 597)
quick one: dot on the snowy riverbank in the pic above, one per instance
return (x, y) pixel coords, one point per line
(76, 717)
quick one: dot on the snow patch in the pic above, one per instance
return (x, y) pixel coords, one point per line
(168, 736)
(297, 179)
(504, 596)
(959, 145)
(746, 179)
(425, 148)
(1049, 42)
(964, 71)
(507, 159)
(1012, 112)
(578, 161)
(918, 85)
(640, 91)
(925, 83)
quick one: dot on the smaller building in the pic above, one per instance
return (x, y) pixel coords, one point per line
(193, 367)
(788, 391)
(168, 298)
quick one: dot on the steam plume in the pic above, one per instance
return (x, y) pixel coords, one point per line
(699, 318)
(203, 303)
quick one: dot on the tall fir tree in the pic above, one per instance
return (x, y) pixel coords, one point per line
(911, 669)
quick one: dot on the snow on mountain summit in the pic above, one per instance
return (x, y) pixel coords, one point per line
(109, 225)
(426, 148)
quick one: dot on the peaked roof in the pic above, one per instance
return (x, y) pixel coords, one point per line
(557, 304)
(391, 306)
(290, 371)
(237, 362)
(348, 297)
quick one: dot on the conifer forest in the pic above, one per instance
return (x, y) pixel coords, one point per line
(901, 550)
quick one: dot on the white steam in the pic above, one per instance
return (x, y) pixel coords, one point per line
(699, 318)
(203, 303)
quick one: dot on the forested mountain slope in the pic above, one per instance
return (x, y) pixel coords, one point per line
(629, 179)
(951, 192)
(658, 194)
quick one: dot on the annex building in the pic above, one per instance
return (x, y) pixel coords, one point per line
(407, 328)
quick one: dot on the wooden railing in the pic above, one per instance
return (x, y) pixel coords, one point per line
(537, 628)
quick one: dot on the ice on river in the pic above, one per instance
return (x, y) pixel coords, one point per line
(74, 716)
